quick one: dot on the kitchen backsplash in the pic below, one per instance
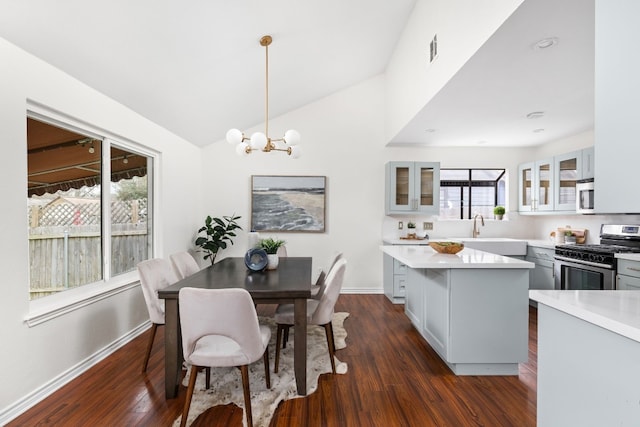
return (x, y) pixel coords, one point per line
(515, 226)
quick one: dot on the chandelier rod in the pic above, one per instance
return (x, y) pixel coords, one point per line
(266, 41)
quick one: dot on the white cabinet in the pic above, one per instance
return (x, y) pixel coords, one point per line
(414, 298)
(567, 171)
(535, 192)
(628, 277)
(475, 319)
(412, 187)
(588, 163)
(617, 94)
(549, 185)
(541, 277)
(394, 279)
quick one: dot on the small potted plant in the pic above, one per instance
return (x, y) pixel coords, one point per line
(569, 237)
(499, 211)
(271, 246)
(411, 230)
(217, 233)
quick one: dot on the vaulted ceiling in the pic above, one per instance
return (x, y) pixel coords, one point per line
(196, 67)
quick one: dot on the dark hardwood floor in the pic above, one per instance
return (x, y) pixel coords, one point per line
(394, 379)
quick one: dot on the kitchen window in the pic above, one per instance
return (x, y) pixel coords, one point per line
(467, 192)
(88, 205)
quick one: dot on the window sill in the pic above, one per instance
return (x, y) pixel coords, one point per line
(47, 308)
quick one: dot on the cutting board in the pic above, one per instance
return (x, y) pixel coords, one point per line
(580, 233)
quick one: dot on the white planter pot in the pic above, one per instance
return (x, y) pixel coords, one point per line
(272, 261)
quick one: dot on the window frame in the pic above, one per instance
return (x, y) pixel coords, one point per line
(46, 308)
(469, 184)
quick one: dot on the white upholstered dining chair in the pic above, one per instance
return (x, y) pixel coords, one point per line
(319, 312)
(220, 329)
(155, 274)
(318, 288)
(184, 264)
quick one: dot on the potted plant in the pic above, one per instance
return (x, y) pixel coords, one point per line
(569, 237)
(217, 233)
(271, 246)
(499, 211)
(411, 229)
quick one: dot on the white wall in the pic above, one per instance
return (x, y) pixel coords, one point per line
(33, 357)
(462, 27)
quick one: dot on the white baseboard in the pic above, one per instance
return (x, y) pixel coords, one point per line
(22, 405)
(362, 291)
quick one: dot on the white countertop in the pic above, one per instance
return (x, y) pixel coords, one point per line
(415, 256)
(616, 311)
(630, 257)
(549, 244)
(399, 241)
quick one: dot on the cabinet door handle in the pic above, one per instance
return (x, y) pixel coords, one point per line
(633, 269)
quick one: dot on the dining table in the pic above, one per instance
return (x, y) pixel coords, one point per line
(290, 282)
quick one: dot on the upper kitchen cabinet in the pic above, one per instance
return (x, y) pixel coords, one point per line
(588, 164)
(535, 190)
(549, 185)
(568, 170)
(412, 187)
(617, 93)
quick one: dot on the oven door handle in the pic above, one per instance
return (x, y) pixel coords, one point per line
(578, 262)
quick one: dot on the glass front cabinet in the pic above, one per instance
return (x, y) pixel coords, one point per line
(550, 184)
(535, 192)
(568, 170)
(412, 187)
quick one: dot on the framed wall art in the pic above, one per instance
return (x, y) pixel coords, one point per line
(288, 203)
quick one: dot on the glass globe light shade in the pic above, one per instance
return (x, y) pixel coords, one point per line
(243, 149)
(234, 136)
(292, 137)
(258, 141)
(295, 152)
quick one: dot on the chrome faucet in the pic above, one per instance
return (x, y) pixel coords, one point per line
(476, 231)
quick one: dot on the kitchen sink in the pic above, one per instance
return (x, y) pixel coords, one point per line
(495, 245)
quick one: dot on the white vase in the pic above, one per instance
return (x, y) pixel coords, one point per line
(272, 261)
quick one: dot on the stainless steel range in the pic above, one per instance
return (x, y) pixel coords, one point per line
(594, 266)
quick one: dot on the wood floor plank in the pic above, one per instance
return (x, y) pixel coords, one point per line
(394, 378)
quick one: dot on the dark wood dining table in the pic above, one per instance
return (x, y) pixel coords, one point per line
(289, 283)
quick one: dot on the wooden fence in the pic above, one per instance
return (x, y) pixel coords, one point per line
(69, 254)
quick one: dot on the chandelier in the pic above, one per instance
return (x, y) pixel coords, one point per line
(261, 141)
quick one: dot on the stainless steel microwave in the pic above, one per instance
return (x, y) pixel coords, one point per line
(584, 196)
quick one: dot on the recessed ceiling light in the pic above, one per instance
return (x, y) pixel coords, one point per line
(538, 130)
(535, 115)
(545, 43)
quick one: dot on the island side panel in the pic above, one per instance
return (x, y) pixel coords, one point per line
(587, 375)
(489, 316)
(475, 319)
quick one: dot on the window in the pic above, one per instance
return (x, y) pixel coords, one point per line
(73, 239)
(467, 192)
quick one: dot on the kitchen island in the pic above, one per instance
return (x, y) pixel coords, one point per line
(588, 357)
(471, 307)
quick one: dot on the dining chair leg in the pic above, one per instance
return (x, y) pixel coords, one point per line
(187, 398)
(267, 373)
(207, 377)
(278, 338)
(286, 336)
(244, 369)
(328, 330)
(154, 328)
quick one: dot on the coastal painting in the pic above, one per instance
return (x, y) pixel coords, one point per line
(288, 203)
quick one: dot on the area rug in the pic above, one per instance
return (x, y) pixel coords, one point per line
(226, 384)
